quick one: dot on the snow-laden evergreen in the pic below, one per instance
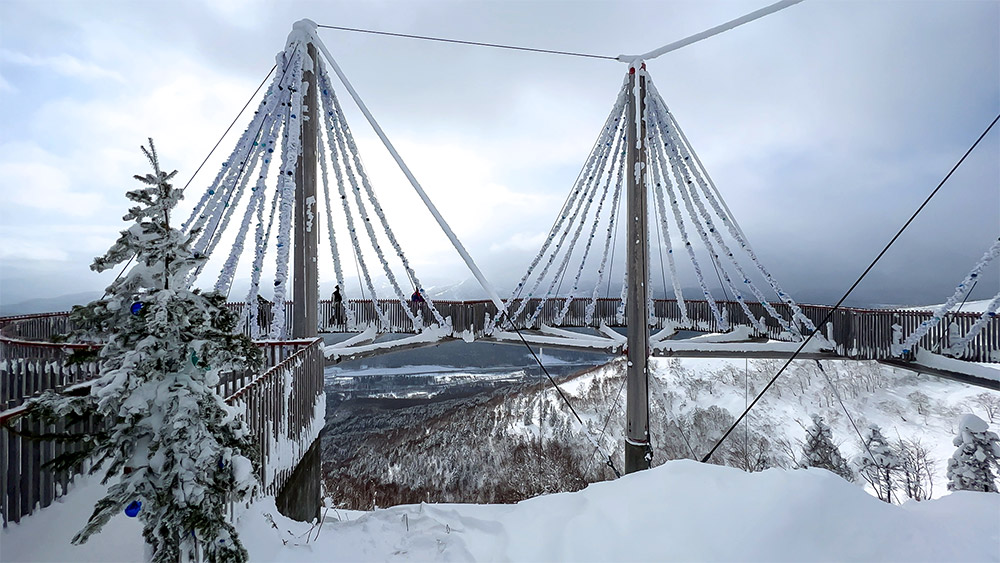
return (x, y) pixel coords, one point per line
(820, 451)
(879, 464)
(175, 454)
(974, 464)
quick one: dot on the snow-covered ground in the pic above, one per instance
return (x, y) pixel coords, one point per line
(681, 511)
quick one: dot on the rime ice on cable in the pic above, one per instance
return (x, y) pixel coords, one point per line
(263, 167)
(676, 179)
(963, 289)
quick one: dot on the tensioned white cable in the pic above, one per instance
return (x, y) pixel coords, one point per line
(290, 148)
(342, 167)
(324, 132)
(707, 186)
(612, 215)
(593, 231)
(602, 137)
(958, 347)
(229, 210)
(657, 171)
(684, 160)
(366, 185)
(661, 157)
(963, 288)
(683, 181)
(262, 237)
(256, 200)
(591, 187)
(353, 170)
(571, 210)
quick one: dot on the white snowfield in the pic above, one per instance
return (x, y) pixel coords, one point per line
(681, 511)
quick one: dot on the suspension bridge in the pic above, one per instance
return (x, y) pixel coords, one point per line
(294, 192)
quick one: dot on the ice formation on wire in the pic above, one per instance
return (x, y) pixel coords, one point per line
(963, 288)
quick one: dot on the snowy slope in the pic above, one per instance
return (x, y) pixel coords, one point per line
(681, 511)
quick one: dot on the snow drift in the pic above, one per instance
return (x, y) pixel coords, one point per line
(681, 511)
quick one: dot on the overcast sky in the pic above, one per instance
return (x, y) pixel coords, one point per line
(824, 125)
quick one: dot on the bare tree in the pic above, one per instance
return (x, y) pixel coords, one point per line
(990, 403)
(917, 469)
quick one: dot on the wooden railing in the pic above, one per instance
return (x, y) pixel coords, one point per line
(285, 409)
(863, 334)
(280, 422)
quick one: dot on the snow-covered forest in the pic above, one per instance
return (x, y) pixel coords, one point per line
(519, 442)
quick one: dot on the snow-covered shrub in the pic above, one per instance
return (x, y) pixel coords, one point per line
(879, 464)
(818, 450)
(174, 453)
(972, 467)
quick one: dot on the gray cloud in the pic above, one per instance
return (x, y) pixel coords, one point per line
(824, 125)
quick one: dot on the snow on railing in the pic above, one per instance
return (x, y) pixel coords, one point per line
(284, 407)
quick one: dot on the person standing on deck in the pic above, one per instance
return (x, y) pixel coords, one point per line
(338, 301)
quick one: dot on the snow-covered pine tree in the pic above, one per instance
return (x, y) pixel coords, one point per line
(972, 467)
(878, 463)
(172, 444)
(820, 451)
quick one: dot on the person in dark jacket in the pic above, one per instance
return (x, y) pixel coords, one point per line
(338, 302)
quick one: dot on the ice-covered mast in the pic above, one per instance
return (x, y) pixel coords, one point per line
(637, 451)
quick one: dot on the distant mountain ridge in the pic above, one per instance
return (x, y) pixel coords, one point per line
(48, 304)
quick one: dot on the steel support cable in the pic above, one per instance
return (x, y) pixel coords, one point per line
(619, 163)
(840, 302)
(702, 220)
(354, 170)
(591, 187)
(290, 152)
(262, 238)
(714, 197)
(337, 155)
(504, 317)
(593, 229)
(370, 192)
(228, 272)
(661, 211)
(679, 219)
(607, 419)
(617, 110)
(836, 393)
(669, 405)
(475, 43)
(265, 108)
(606, 134)
(232, 261)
